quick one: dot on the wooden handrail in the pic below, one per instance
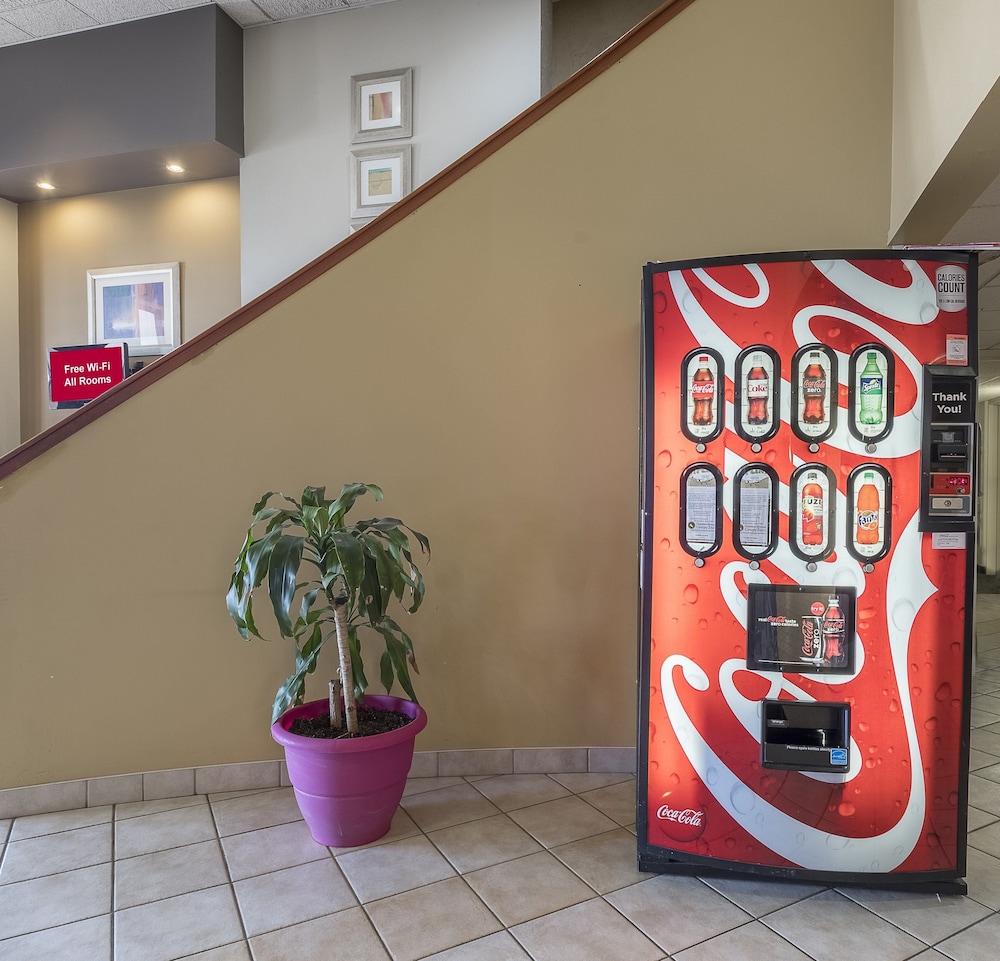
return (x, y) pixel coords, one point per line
(47, 439)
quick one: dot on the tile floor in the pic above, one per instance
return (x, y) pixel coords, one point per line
(508, 868)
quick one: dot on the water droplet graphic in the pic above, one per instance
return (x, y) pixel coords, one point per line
(691, 594)
(930, 724)
(664, 459)
(846, 810)
(928, 312)
(903, 614)
(711, 776)
(943, 693)
(703, 623)
(742, 799)
(836, 843)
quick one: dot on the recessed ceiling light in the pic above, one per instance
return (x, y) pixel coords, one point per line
(175, 168)
(45, 185)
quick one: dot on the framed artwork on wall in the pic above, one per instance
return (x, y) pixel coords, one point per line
(379, 177)
(382, 105)
(139, 306)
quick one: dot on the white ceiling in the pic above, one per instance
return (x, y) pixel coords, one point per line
(23, 20)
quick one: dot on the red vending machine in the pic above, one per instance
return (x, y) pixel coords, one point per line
(808, 568)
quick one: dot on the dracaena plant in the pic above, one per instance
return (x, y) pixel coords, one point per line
(327, 578)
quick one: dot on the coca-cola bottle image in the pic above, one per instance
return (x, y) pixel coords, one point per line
(703, 394)
(834, 648)
(758, 391)
(812, 511)
(814, 391)
(868, 507)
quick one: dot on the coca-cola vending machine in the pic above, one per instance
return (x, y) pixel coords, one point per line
(808, 504)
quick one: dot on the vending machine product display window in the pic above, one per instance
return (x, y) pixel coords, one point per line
(808, 566)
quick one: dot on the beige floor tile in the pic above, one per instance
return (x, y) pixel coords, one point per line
(177, 927)
(696, 911)
(449, 914)
(984, 794)
(617, 801)
(561, 821)
(271, 849)
(165, 874)
(38, 825)
(169, 829)
(581, 783)
(929, 917)
(251, 812)
(606, 861)
(758, 896)
(985, 839)
(421, 785)
(830, 927)
(983, 878)
(478, 844)
(387, 869)
(347, 934)
(28, 906)
(81, 939)
(520, 790)
(529, 887)
(136, 809)
(457, 804)
(980, 819)
(238, 951)
(494, 947)
(301, 893)
(590, 931)
(753, 942)
(55, 853)
(977, 943)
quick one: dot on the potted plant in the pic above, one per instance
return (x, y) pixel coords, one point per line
(339, 578)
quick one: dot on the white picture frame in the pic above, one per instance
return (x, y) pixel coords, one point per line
(380, 176)
(382, 105)
(138, 306)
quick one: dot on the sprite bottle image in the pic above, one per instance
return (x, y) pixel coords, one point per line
(871, 392)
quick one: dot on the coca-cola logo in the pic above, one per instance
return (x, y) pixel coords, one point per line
(680, 821)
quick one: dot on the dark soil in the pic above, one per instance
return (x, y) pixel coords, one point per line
(370, 721)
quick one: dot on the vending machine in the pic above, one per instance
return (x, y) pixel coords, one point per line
(808, 512)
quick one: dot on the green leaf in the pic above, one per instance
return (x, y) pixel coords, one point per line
(351, 557)
(282, 572)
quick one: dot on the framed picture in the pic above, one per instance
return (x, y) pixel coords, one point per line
(139, 306)
(381, 105)
(379, 177)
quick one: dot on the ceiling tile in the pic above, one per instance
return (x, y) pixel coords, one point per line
(114, 11)
(48, 18)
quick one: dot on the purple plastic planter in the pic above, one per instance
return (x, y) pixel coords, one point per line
(349, 789)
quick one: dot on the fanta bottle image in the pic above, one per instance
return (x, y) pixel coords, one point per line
(868, 507)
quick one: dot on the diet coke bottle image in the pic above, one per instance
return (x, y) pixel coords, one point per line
(834, 642)
(758, 392)
(703, 394)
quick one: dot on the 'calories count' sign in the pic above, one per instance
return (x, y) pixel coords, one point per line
(82, 373)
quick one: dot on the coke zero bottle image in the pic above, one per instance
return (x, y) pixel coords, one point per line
(814, 391)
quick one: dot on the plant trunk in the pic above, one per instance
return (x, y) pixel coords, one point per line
(346, 671)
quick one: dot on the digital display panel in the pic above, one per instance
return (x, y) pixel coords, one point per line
(802, 629)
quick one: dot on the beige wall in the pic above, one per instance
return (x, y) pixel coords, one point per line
(10, 398)
(60, 240)
(480, 360)
(946, 113)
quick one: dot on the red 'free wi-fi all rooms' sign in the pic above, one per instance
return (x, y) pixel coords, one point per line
(83, 373)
